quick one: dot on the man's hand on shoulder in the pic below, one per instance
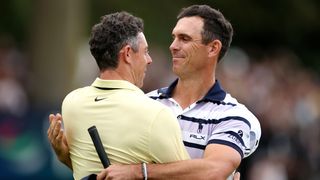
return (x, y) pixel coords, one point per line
(58, 139)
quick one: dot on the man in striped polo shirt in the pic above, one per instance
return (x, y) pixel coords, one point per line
(218, 131)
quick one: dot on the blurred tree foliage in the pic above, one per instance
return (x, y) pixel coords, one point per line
(15, 16)
(263, 24)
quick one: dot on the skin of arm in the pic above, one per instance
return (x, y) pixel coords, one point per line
(218, 163)
(58, 139)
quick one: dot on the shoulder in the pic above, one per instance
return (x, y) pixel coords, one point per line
(150, 103)
(76, 95)
(144, 102)
(77, 92)
(240, 110)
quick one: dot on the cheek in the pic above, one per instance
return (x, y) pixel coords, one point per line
(191, 50)
(142, 64)
(191, 53)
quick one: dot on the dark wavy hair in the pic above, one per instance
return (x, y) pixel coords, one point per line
(111, 34)
(215, 25)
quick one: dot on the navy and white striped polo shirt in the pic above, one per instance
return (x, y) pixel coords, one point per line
(216, 119)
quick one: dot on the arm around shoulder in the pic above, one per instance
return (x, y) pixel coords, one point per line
(218, 163)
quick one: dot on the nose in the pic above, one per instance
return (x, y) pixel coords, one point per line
(149, 59)
(174, 45)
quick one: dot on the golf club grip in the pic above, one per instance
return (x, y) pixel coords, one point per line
(98, 145)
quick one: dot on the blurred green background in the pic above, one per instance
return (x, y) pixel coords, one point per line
(272, 67)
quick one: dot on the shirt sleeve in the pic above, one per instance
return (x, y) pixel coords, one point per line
(255, 135)
(233, 131)
(166, 143)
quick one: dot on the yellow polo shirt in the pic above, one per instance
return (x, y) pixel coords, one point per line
(133, 128)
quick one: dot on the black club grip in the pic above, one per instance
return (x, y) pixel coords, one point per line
(99, 147)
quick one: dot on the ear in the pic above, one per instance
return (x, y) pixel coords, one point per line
(214, 48)
(125, 54)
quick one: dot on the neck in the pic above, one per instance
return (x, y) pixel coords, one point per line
(189, 91)
(114, 74)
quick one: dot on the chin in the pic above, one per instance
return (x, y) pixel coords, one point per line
(175, 69)
(178, 70)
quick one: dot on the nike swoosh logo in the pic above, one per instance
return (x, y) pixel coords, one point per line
(99, 99)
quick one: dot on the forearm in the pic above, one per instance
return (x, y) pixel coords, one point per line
(189, 169)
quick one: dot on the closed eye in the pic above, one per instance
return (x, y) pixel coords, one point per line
(182, 38)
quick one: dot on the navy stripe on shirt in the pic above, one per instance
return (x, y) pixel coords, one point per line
(214, 121)
(218, 141)
(236, 135)
(193, 145)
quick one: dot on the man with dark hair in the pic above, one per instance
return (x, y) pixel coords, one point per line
(116, 106)
(217, 130)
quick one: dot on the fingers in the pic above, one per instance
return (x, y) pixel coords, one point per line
(59, 117)
(51, 120)
(101, 175)
(60, 134)
(51, 125)
(51, 117)
(55, 131)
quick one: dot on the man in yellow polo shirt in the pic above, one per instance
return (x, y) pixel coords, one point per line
(133, 127)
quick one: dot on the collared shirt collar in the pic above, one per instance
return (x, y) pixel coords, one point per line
(115, 84)
(216, 93)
